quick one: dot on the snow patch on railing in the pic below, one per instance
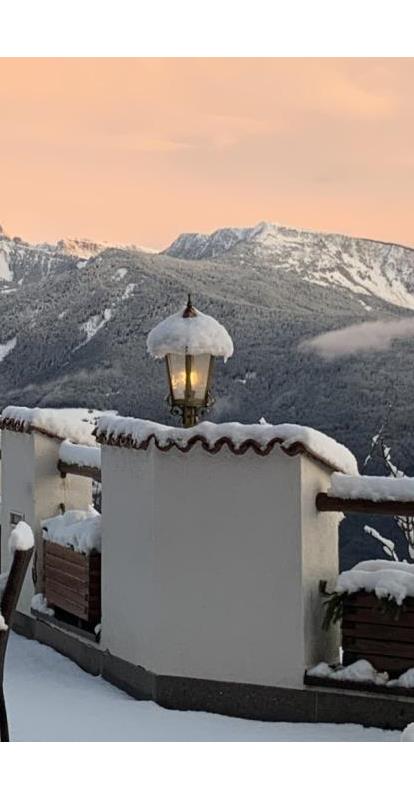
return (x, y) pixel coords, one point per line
(371, 487)
(81, 455)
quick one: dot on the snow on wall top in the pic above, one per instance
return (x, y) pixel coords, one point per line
(79, 454)
(76, 424)
(391, 579)
(138, 433)
(195, 334)
(371, 487)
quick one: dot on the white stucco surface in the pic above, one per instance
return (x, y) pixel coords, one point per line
(33, 487)
(211, 563)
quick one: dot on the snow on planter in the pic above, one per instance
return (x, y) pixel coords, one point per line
(81, 455)
(391, 579)
(360, 671)
(196, 334)
(405, 681)
(375, 603)
(368, 487)
(237, 437)
(72, 565)
(76, 424)
(39, 604)
(79, 530)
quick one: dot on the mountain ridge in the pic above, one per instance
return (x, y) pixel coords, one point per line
(279, 225)
(21, 260)
(366, 266)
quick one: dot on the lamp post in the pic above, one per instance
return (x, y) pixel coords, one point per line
(189, 341)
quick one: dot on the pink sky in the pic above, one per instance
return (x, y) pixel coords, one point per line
(140, 150)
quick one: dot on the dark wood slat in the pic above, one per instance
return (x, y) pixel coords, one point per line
(75, 469)
(373, 616)
(388, 648)
(81, 605)
(65, 591)
(383, 663)
(65, 553)
(390, 633)
(389, 508)
(66, 567)
(360, 600)
(70, 577)
(79, 571)
(71, 581)
(78, 609)
(369, 599)
(85, 592)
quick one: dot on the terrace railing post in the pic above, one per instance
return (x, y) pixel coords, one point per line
(8, 603)
(4, 726)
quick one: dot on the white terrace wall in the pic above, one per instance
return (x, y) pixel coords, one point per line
(211, 563)
(32, 487)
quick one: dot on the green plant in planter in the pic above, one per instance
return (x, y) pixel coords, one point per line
(334, 609)
(335, 603)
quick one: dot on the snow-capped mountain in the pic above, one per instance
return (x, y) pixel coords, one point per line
(86, 248)
(21, 261)
(363, 266)
(204, 245)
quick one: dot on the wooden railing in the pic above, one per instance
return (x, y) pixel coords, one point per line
(76, 469)
(392, 508)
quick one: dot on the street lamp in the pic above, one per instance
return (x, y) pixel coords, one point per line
(189, 341)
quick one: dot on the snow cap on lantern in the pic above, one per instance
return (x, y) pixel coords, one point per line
(189, 341)
(189, 331)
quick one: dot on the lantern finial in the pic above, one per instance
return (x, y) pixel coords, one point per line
(189, 310)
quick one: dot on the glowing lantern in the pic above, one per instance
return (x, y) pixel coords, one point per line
(189, 341)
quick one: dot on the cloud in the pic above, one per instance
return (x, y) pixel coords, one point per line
(357, 338)
(224, 407)
(147, 144)
(334, 92)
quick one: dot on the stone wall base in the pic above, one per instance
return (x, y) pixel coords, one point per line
(267, 703)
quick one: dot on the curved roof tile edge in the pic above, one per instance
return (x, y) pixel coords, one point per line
(21, 426)
(248, 444)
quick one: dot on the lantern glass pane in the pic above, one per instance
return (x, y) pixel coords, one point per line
(199, 375)
(176, 367)
(189, 377)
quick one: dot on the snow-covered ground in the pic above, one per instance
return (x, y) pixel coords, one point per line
(51, 699)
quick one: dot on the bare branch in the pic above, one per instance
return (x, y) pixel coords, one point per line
(388, 545)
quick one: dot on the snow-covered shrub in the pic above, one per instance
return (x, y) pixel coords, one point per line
(404, 524)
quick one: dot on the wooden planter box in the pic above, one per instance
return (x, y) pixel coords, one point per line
(73, 582)
(386, 642)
